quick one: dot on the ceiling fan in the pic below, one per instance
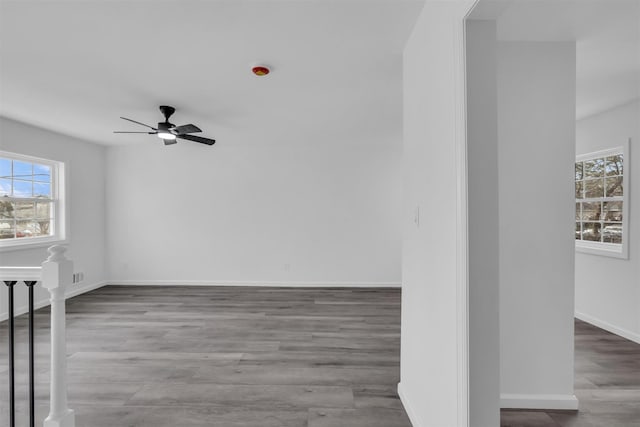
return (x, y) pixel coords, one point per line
(169, 132)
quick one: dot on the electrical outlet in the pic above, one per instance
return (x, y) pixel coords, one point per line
(78, 277)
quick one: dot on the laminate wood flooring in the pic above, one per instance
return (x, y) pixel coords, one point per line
(269, 357)
(607, 384)
(221, 356)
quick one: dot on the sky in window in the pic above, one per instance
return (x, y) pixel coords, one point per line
(24, 179)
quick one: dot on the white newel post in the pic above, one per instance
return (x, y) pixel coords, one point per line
(57, 273)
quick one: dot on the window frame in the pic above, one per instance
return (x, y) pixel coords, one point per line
(58, 203)
(614, 250)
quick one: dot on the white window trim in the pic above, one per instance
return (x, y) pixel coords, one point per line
(611, 249)
(58, 189)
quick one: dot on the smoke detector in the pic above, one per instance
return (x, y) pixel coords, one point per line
(260, 70)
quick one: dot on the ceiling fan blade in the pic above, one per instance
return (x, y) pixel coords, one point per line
(181, 130)
(133, 121)
(199, 139)
(126, 131)
(170, 141)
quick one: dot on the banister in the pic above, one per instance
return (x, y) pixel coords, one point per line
(20, 274)
(55, 274)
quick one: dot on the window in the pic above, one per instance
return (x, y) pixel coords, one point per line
(602, 202)
(31, 209)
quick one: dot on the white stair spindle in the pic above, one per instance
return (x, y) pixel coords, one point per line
(57, 273)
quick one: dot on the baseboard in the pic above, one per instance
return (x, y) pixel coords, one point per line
(408, 407)
(539, 401)
(608, 327)
(254, 283)
(71, 292)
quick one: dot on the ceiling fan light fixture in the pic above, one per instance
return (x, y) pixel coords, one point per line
(166, 135)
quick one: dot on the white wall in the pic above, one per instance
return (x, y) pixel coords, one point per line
(482, 161)
(85, 169)
(608, 289)
(434, 381)
(536, 153)
(267, 213)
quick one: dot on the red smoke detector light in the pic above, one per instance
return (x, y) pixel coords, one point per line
(260, 70)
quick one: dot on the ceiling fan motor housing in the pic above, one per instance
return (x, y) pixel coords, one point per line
(165, 126)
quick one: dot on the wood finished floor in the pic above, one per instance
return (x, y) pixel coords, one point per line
(607, 384)
(270, 357)
(222, 356)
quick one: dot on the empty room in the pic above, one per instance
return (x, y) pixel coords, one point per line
(344, 213)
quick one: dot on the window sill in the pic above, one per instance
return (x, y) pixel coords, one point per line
(32, 243)
(603, 249)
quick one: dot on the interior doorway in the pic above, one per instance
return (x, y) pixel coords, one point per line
(545, 81)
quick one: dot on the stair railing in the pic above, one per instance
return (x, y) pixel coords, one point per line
(56, 273)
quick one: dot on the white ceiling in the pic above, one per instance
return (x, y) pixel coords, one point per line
(76, 66)
(607, 35)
